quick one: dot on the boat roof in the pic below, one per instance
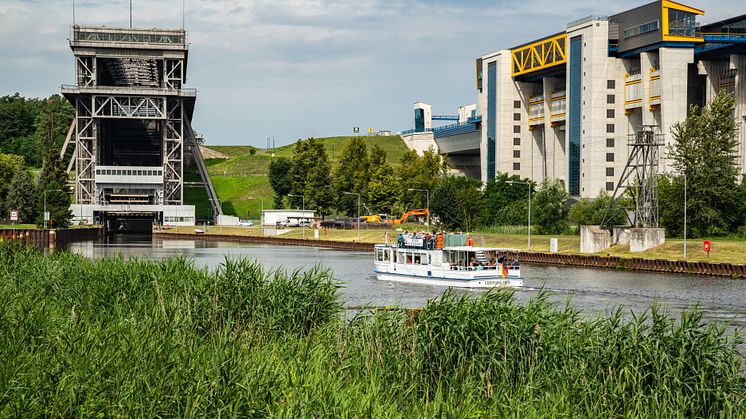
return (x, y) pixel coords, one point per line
(476, 249)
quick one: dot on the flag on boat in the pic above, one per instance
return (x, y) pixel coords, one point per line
(503, 270)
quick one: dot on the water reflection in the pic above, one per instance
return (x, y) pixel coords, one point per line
(593, 291)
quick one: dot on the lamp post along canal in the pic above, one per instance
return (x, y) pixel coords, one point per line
(515, 182)
(303, 210)
(685, 215)
(46, 214)
(358, 211)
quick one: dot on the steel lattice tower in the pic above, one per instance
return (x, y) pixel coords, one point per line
(639, 181)
(131, 130)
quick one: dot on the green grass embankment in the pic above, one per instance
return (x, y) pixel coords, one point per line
(241, 181)
(116, 338)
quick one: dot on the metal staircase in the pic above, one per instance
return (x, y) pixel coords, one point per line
(481, 258)
(193, 147)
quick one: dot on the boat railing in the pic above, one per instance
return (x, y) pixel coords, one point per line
(482, 268)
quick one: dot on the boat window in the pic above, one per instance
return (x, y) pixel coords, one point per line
(379, 255)
(386, 255)
(425, 260)
(416, 259)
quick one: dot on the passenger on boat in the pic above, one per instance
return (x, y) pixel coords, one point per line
(470, 241)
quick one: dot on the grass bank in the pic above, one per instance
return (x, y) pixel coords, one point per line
(111, 337)
(241, 180)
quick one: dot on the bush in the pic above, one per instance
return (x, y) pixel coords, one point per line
(549, 210)
(592, 211)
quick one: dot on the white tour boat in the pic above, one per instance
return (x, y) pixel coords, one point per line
(426, 259)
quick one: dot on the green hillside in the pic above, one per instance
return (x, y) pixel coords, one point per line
(241, 180)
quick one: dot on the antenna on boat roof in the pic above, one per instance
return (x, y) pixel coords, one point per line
(73, 12)
(183, 14)
(130, 14)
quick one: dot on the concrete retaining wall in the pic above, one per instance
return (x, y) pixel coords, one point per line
(51, 238)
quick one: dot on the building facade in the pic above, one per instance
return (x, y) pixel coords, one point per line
(566, 106)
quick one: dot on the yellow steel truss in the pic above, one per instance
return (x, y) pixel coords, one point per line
(542, 54)
(668, 4)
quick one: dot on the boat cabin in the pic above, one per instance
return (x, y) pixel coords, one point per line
(453, 258)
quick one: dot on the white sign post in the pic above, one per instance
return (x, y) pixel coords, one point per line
(13, 215)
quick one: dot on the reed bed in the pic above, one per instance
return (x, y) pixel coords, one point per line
(123, 338)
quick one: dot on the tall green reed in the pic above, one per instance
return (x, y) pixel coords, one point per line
(119, 337)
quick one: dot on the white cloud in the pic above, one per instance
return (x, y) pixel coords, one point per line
(296, 68)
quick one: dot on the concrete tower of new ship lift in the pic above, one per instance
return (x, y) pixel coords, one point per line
(131, 134)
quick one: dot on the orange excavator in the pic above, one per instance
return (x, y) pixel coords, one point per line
(410, 213)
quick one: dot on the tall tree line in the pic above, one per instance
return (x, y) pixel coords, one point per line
(360, 171)
(31, 134)
(30, 127)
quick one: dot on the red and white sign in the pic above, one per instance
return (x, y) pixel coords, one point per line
(13, 215)
(707, 246)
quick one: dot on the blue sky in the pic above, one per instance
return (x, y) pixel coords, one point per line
(295, 68)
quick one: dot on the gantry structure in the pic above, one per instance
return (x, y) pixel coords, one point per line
(132, 131)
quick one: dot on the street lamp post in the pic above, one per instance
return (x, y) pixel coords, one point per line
(428, 201)
(45, 204)
(303, 203)
(358, 211)
(516, 182)
(684, 215)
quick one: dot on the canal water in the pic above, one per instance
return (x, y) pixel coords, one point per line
(593, 291)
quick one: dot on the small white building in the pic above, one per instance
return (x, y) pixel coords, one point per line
(274, 216)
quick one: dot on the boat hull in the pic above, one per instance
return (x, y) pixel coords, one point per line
(479, 282)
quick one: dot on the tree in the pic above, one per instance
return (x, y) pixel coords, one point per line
(53, 179)
(705, 151)
(302, 163)
(9, 165)
(591, 211)
(419, 173)
(383, 187)
(351, 175)
(22, 196)
(318, 189)
(502, 199)
(458, 203)
(671, 204)
(549, 212)
(280, 178)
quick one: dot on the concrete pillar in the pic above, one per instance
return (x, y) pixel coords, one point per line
(594, 239)
(642, 239)
(674, 65)
(648, 60)
(738, 63)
